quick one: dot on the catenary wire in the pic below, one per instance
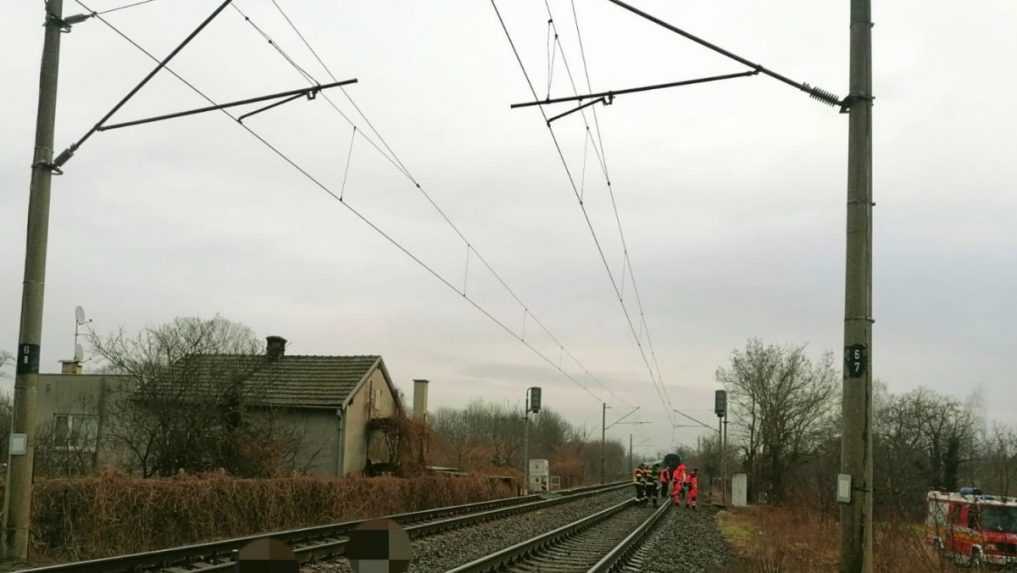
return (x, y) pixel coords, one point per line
(600, 249)
(395, 157)
(307, 76)
(276, 46)
(434, 204)
(409, 253)
(627, 261)
(124, 7)
(596, 121)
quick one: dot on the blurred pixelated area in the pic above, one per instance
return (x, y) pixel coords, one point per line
(379, 546)
(267, 556)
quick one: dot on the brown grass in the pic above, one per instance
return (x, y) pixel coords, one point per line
(797, 540)
(113, 514)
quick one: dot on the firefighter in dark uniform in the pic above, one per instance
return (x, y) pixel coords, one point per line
(637, 480)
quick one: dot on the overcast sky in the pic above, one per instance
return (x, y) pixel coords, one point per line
(732, 195)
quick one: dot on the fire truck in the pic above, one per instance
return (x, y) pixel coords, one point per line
(973, 528)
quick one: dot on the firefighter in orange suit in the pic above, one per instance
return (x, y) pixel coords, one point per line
(665, 480)
(693, 481)
(678, 478)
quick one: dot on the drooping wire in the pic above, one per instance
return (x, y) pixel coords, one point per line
(349, 155)
(552, 54)
(124, 7)
(390, 157)
(589, 85)
(375, 227)
(278, 48)
(658, 386)
(395, 158)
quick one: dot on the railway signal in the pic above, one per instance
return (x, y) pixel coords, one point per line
(532, 405)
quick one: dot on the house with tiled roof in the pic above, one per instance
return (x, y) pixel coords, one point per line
(334, 403)
(330, 400)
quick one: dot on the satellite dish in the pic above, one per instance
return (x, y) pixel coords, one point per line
(79, 354)
(79, 315)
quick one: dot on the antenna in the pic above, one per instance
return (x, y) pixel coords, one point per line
(79, 319)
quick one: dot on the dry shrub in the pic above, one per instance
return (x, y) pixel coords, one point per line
(113, 514)
(783, 539)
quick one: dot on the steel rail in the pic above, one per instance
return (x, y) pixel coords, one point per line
(323, 541)
(620, 555)
(508, 556)
(336, 548)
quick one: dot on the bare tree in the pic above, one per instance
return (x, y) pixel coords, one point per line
(485, 434)
(999, 460)
(452, 427)
(188, 404)
(781, 400)
(922, 440)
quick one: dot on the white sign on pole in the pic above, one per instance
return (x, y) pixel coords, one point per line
(844, 488)
(19, 444)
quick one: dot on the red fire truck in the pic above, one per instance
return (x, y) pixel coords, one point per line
(972, 528)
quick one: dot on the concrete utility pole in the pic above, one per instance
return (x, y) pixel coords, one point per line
(856, 449)
(18, 498)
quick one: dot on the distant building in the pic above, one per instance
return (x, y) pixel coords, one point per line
(330, 400)
(70, 409)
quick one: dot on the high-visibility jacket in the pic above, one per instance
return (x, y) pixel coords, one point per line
(680, 475)
(693, 481)
(665, 474)
(637, 475)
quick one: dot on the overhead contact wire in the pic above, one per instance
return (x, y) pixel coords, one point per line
(586, 215)
(434, 203)
(323, 187)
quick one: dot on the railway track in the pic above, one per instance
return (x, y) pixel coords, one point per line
(322, 542)
(600, 543)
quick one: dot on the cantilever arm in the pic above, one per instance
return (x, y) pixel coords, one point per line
(290, 95)
(612, 93)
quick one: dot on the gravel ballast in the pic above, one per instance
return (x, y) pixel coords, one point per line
(438, 553)
(684, 541)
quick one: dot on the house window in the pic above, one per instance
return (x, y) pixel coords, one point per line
(75, 431)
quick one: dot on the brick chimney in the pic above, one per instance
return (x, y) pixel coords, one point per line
(70, 367)
(420, 399)
(275, 347)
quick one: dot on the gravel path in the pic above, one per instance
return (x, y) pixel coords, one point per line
(684, 541)
(438, 553)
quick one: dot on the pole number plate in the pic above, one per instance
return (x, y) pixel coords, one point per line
(856, 360)
(28, 359)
